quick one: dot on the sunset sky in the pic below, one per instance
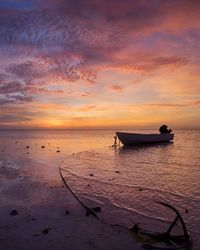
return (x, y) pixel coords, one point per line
(99, 64)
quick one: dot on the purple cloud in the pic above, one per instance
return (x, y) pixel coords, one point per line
(6, 118)
(10, 87)
(173, 60)
(37, 90)
(17, 99)
(72, 40)
(13, 92)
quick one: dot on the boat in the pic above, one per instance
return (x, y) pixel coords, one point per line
(133, 138)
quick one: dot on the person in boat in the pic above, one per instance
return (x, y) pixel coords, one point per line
(163, 129)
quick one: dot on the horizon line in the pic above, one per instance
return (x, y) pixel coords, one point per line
(76, 129)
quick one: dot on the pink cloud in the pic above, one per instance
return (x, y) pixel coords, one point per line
(85, 94)
(117, 88)
(170, 60)
(87, 108)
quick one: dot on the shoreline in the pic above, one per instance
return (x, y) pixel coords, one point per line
(48, 217)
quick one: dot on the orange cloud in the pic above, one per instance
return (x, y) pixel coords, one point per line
(87, 108)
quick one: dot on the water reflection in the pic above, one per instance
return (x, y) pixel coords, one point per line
(123, 180)
(143, 147)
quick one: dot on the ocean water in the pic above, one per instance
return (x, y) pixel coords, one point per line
(125, 182)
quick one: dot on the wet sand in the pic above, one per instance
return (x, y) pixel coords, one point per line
(38, 212)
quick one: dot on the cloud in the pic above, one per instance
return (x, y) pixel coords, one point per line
(37, 90)
(21, 98)
(2, 78)
(174, 105)
(13, 92)
(172, 60)
(197, 102)
(16, 99)
(148, 63)
(168, 105)
(10, 87)
(55, 68)
(116, 88)
(5, 101)
(79, 26)
(136, 13)
(87, 108)
(27, 70)
(5, 118)
(71, 40)
(85, 94)
(48, 45)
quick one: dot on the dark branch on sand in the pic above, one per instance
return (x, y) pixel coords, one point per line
(170, 241)
(89, 211)
(178, 217)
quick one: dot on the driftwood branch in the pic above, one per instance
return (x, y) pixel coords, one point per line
(186, 235)
(89, 211)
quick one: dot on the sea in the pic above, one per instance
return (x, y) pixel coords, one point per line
(127, 183)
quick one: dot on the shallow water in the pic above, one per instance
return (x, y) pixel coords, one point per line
(125, 182)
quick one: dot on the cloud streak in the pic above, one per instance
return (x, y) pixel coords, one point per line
(13, 118)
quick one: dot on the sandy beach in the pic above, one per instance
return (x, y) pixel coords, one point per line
(38, 212)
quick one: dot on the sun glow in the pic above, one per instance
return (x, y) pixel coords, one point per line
(54, 123)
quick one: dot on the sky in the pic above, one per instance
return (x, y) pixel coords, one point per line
(118, 64)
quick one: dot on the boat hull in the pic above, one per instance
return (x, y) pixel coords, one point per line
(131, 138)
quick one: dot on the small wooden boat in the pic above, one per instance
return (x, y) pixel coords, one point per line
(132, 138)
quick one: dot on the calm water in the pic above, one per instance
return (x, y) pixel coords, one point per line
(125, 182)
